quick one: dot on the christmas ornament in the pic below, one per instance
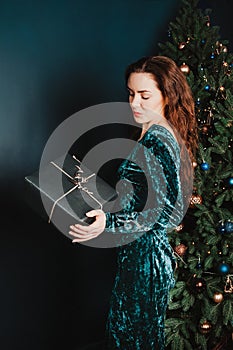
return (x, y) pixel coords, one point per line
(225, 227)
(199, 284)
(180, 249)
(195, 199)
(212, 56)
(229, 226)
(182, 45)
(205, 327)
(205, 129)
(220, 48)
(179, 227)
(223, 268)
(218, 297)
(194, 164)
(228, 286)
(221, 228)
(228, 182)
(185, 68)
(207, 87)
(205, 166)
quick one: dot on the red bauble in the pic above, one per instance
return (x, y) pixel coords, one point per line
(180, 249)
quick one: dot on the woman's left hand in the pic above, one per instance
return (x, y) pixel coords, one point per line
(84, 233)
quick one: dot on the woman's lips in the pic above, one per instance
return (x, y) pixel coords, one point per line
(137, 114)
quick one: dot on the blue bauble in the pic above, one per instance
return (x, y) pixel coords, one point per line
(207, 87)
(229, 226)
(205, 166)
(212, 55)
(230, 181)
(222, 228)
(199, 266)
(223, 268)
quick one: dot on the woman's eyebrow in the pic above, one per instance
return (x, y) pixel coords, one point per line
(139, 90)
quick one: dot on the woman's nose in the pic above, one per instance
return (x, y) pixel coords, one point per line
(135, 101)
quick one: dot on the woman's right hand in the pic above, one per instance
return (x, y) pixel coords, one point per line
(83, 233)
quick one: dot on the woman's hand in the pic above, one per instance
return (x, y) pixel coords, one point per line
(84, 233)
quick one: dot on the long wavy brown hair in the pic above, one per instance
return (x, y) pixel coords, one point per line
(179, 103)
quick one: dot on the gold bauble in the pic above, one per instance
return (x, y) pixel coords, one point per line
(205, 327)
(218, 297)
(195, 199)
(185, 68)
(179, 227)
(194, 164)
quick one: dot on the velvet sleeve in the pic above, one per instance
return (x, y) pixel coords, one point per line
(157, 158)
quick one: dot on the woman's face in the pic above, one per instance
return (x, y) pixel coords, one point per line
(145, 99)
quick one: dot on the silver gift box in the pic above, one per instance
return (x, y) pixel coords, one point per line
(64, 190)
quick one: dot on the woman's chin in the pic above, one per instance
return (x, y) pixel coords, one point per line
(138, 119)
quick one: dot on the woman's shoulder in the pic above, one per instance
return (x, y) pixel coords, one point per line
(160, 135)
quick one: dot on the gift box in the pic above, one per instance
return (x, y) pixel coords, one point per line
(63, 190)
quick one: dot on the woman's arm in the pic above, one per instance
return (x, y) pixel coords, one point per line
(165, 211)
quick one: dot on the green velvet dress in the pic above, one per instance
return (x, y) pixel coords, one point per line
(150, 201)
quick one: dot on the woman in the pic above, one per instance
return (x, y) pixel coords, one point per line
(162, 103)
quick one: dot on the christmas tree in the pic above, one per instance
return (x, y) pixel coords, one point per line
(200, 312)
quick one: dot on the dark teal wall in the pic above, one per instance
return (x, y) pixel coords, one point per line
(58, 57)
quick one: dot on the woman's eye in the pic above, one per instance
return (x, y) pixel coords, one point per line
(144, 98)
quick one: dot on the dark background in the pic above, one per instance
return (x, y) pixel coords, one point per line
(56, 58)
